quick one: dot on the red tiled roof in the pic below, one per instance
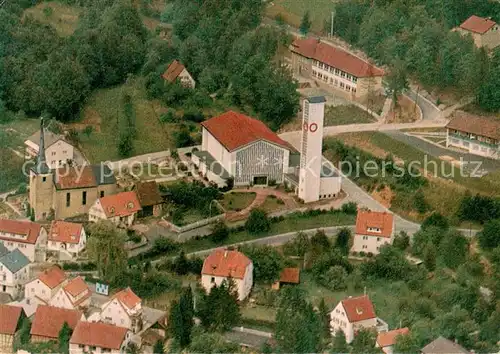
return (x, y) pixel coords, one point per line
(76, 286)
(173, 71)
(483, 126)
(30, 229)
(358, 308)
(121, 204)
(383, 221)
(99, 335)
(290, 275)
(336, 57)
(63, 231)
(75, 177)
(226, 263)
(128, 298)
(385, 339)
(477, 24)
(234, 130)
(9, 318)
(148, 193)
(52, 277)
(48, 320)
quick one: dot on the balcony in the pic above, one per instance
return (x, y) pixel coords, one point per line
(475, 141)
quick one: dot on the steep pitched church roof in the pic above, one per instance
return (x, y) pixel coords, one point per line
(41, 166)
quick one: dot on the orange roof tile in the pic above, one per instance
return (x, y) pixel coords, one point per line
(75, 177)
(9, 318)
(128, 298)
(98, 334)
(234, 130)
(52, 277)
(290, 275)
(385, 339)
(76, 286)
(226, 263)
(336, 57)
(148, 193)
(482, 126)
(173, 71)
(477, 24)
(48, 320)
(63, 231)
(374, 219)
(121, 204)
(27, 228)
(358, 308)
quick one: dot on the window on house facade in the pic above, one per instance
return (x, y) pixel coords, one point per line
(53, 153)
(44, 179)
(342, 74)
(84, 198)
(342, 85)
(68, 199)
(102, 194)
(337, 72)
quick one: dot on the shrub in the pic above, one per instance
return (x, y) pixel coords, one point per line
(168, 117)
(350, 208)
(369, 255)
(362, 253)
(258, 222)
(193, 115)
(271, 183)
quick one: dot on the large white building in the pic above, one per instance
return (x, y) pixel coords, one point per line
(373, 230)
(58, 151)
(315, 178)
(14, 271)
(29, 237)
(222, 265)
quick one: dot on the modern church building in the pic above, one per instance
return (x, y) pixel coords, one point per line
(245, 149)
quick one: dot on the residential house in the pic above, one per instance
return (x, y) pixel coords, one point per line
(288, 276)
(66, 238)
(11, 318)
(66, 191)
(484, 31)
(223, 265)
(442, 345)
(14, 271)
(243, 148)
(354, 313)
(46, 285)
(123, 310)
(373, 230)
(48, 321)
(29, 237)
(176, 71)
(74, 295)
(96, 337)
(58, 151)
(121, 209)
(351, 76)
(477, 135)
(386, 340)
(149, 197)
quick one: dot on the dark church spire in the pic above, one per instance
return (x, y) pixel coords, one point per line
(41, 165)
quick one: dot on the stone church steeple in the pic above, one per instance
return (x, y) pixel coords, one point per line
(41, 165)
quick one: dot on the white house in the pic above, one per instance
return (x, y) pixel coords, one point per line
(96, 337)
(66, 238)
(58, 151)
(14, 271)
(121, 209)
(46, 285)
(29, 237)
(386, 340)
(177, 71)
(74, 295)
(223, 265)
(48, 321)
(238, 146)
(11, 318)
(123, 310)
(352, 314)
(373, 230)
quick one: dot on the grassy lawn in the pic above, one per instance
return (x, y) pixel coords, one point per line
(14, 133)
(272, 203)
(351, 114)
(237, 201)
(293, 10)
(63, 18)
(105, 106)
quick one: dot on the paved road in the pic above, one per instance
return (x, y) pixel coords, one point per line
(429, 110)
(436, 151)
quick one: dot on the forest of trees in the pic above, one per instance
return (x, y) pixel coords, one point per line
(414, 38)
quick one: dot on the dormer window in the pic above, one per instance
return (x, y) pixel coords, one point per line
(374, 229)
(130, 205)
(112, 210)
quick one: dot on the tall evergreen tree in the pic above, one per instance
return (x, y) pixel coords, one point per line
(305, 24)
(64, 337)
(219, 310)
(342, 240)
(181, 318)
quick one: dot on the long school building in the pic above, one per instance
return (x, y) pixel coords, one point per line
(350, 75)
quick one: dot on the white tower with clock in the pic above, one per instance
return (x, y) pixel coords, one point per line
(311, 148)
